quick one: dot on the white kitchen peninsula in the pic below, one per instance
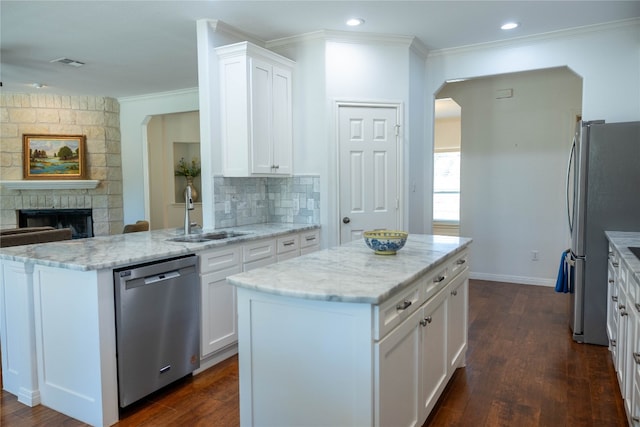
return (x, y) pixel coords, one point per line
(57, 324)
(347, 337)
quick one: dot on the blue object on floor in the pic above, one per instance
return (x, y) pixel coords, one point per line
(562, 283)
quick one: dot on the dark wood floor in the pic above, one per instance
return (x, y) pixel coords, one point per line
(522, 370)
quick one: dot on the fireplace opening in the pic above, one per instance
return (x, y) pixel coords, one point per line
(79, 221)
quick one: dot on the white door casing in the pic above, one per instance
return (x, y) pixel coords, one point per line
(369, 165)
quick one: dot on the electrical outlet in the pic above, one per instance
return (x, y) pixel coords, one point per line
(227, 206)
(534, 256)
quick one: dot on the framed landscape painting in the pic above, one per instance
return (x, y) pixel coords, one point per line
(54, 156)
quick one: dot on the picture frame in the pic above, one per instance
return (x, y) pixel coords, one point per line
(48, 157)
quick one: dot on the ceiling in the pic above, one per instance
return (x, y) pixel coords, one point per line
(140, 47)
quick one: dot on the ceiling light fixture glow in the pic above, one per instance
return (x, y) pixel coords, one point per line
(39, 85)
(354, 22)
(509, 26)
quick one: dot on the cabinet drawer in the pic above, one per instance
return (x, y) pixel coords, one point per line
(287, 244)
(392, 312)
(436, 281)
(309, 238)
(259, 250)
(219, 259)
(459, 263)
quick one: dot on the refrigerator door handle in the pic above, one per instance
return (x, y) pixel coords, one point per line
(572, 154)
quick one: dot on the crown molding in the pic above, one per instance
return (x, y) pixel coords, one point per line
(555, 35)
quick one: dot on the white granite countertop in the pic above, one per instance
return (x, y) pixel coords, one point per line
(102, 252)
(351, 272)
(621, 240)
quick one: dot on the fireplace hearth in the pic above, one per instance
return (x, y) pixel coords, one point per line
(80, 221)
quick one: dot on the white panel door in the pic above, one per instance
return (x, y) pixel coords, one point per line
(368, 171)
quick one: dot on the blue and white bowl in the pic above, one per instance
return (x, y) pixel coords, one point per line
(385, 242)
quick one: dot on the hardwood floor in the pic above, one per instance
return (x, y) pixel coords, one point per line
(523, 369)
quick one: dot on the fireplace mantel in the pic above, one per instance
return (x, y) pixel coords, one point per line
(75, 184)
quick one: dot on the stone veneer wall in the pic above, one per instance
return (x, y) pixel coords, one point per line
(260, 200)
(96, 117)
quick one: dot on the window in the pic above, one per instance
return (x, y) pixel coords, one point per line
(446, 186)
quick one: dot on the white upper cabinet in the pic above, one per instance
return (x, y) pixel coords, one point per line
(255, 94)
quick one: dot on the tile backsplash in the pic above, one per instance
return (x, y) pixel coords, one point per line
(243, 201)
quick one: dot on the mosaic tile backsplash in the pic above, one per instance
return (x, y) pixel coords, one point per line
(244, 201)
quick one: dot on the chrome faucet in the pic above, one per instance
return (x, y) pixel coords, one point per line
(188, 206)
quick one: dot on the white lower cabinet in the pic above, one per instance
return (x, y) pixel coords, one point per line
(218, 305)
(417, 358)
(623, 329)
(219, 328)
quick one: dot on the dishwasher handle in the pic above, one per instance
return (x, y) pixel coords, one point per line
(150, 280)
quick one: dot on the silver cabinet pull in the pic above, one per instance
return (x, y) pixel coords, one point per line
(454, 292)
(614, 298)
(637, 307)
(613, 343)
(426, 321)
(403, 305)
(438, 279)
(615, 264)
(461, 261)
(310, 238)
(621, 306)
(624, 313)
(636, 358)
(289, 243)
(611, 281)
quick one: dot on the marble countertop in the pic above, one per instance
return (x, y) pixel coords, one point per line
(102, 252)
(351, 272)
(621, 240)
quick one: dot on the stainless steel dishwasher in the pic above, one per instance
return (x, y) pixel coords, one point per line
(157, 325)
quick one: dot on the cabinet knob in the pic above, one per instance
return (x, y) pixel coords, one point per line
(614, 298)
(346, 220)
(438, 279)
(613, 343)
(454, 292)
(426, 321)
(611, 281)
(621, 306)
(624, 313)
(403, 305)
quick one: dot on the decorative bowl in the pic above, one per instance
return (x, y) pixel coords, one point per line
(385, 242)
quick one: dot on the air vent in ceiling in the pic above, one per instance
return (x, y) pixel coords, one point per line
(67, 61)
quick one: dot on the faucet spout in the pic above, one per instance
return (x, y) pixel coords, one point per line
(188, 206)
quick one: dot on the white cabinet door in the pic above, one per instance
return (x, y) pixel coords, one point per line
(219, 317)
(219, 326)
(260, 132)
(282, 119)
(612, 302)
(256, 111)
(434, 351)
(457, 321)
(398, 381)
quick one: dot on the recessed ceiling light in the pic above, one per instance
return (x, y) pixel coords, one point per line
(354, 22)
(509, 26)
(67, 61)
(39, 85)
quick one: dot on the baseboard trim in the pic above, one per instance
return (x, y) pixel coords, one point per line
(521, 280)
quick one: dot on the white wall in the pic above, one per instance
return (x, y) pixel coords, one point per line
(513, 170)
(608, 60)
(135, 112)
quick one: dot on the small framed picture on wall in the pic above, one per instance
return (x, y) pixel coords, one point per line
(54, 156)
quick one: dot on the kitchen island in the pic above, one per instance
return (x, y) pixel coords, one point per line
(347, 337)
(57, 321)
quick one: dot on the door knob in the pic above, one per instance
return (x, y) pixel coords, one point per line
(346, 220)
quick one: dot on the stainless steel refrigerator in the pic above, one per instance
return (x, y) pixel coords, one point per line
(603, 193)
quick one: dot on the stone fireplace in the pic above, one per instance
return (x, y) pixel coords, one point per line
(78, 220)
(47, 114)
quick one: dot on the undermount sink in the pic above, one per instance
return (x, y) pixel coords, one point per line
(635, 251)
(205, 237)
